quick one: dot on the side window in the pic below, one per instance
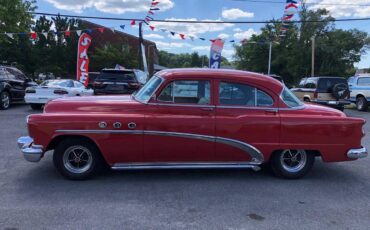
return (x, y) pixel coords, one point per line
(243, 95)
(79, 84)
(364, 81)
(187, 92)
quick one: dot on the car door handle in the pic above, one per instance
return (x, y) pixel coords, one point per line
(271, 111)
(207, 108)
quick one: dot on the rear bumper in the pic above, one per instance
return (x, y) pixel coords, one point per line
(357, 153)
(336, 104)
(39, 99)
(31, 152)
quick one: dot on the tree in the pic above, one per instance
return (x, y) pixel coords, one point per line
(186, 60)
(336, 50)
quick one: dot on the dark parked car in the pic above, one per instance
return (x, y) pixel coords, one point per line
(92, 77)
(329, 91)
(13, 84)
(112, 81)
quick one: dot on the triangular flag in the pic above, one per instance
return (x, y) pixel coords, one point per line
(173, 33)
(150, 12)
(155, 3)
(101, 29)
(122, 27)
(9, 35)
(152, 27)
(232, 41)
(112, 28)
(291, 5)
(192, 38)
(203, 39)
(163, 30)
(154, 9)
(182, 36)
(33, 35)
(78, 32)
(133, 22)
(291, 1)
(67, 33)
(212, 40)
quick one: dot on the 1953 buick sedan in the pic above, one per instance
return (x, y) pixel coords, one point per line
(193, 118)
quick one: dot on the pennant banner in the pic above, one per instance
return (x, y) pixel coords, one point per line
(82, 58)
(215, 57)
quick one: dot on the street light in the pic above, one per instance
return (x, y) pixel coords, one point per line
(313, 57)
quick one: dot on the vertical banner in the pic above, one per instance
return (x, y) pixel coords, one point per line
(215, 57)
(82, 59)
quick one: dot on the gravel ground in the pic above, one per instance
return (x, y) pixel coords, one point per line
(35, 196)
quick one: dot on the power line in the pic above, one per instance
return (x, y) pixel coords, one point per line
(201, 21)
(309, 3)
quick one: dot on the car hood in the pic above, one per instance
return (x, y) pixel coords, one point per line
(92, 104)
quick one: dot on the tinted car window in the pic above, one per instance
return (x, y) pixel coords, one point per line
(17, 74)
(127, 76)
(326, 84)
(364, 81)
(187, 92)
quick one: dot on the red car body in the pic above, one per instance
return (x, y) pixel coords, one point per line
(129, 132)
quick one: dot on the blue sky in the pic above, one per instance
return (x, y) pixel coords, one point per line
(202, 10)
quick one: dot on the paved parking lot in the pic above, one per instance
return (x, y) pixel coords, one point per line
(35, 196)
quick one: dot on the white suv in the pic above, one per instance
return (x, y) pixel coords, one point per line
(360, 91)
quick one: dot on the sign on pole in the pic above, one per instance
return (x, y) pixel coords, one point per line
(82, 58)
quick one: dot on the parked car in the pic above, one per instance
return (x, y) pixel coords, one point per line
(37, 96)
(12, 86)
(114, 81)
(92, 77)
(360, 91)
(193, 118)
(329, 91)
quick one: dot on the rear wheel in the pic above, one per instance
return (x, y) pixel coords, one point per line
(292, 164)
(361, 104)
(76, 159)
(4, 100)
(36, 106)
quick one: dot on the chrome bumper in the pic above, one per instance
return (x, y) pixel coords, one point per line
(31, 152)
(357, 153)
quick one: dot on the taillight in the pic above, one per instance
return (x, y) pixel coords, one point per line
(315, 95)
(30, 90)
(60, 92)
(134, 85)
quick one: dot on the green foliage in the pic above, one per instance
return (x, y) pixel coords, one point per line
(335, 54)
(187, 60)
(110, 55)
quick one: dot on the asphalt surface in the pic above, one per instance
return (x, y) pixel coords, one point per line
(35, 196)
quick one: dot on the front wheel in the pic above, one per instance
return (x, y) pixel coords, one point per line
(4, 100)
(76, 159)
(292, 164)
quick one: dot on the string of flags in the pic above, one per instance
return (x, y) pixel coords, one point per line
(289, 11)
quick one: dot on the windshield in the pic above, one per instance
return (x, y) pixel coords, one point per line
(144, 94)
(58, 83)
(290, 99)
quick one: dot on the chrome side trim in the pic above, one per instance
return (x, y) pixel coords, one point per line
(190, 165)
(256, 155)
(183, 105)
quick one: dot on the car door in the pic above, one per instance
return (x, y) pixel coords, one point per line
(180, 125)
(17, 89)
(247, 122)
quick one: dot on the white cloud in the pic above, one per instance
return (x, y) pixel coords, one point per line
(223, 36)
(109, 6)
(246, 34)
(191, 29)
(342, 8)
(228, 53)
(237, 30)
(201, 48)
(236, 13)
(171, 45)
(153, 36)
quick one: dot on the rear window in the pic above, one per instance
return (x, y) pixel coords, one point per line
(326, 84)
(364, 81)
(117, 76)
(58, 83)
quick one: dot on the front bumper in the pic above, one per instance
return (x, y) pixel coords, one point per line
(31, 152)
(357, 153)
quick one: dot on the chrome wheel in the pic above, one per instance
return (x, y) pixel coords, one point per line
(293, 160)
(77, 159)
(5, 100)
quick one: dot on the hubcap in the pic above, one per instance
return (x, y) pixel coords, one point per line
(360, 103)
(293, 160)
(5, 100)
(77, 159)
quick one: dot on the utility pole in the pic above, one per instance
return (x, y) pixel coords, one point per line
(140, 45)
(313, 57)
(270, 54)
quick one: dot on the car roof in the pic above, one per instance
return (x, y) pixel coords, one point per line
(225, 74)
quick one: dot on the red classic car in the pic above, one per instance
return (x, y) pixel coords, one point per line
(193, 118)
